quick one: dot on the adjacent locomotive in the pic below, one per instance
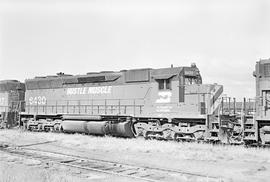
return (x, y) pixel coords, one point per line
(11, 97)
(170, 103)
(254, 115)
(261, 126)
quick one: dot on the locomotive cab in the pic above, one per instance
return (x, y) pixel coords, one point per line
(180, 105)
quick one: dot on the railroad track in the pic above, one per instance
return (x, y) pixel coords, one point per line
(112, 168)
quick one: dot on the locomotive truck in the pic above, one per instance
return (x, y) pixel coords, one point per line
(166, 103)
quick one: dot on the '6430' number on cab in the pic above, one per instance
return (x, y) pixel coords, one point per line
(38, 100)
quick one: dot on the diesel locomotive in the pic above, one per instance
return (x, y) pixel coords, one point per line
(167, 103)
(260, 127)
(11, 98)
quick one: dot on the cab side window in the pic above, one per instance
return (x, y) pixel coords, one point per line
(160, 84)
(266, 99)
(267, 69)
(164, 84)
(168, 84)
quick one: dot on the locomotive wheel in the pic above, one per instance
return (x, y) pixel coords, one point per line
(56, 128)
(139, 132)
(24, 126)
(145, 134)
(61, 130)
(199, 135)
(39, 127)
(29, 128)
(169, 134)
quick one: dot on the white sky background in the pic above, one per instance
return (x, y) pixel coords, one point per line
(224, 38)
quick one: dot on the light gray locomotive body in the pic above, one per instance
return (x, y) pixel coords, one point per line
(163, 103)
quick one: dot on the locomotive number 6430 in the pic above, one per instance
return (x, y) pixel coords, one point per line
(40, 100)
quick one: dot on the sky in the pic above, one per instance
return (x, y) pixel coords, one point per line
(224, 38)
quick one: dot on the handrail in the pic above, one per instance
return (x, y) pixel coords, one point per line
(148, 91)
(91, 108)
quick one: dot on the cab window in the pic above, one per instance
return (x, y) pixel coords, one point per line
(164, 84)
(266, 98)
(190, 80)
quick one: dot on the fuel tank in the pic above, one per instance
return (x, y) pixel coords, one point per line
(122, 129)
(74, 126)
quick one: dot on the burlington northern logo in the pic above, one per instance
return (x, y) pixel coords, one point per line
(164, 97)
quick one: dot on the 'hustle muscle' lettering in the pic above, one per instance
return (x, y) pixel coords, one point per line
(89, 90)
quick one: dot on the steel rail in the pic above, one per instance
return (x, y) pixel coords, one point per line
(121, 163)
(151, 174)
(67, 163)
